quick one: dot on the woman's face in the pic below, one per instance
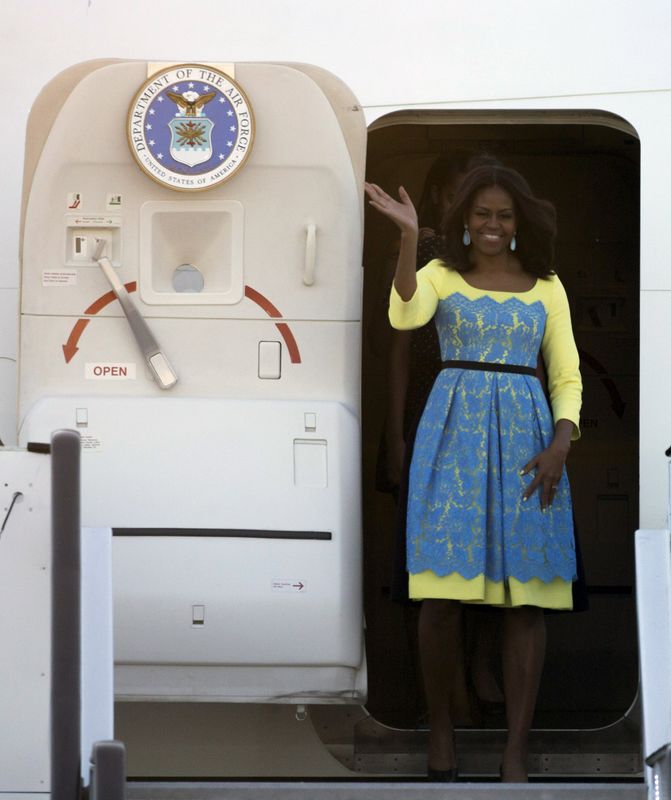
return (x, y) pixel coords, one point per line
(491, 221)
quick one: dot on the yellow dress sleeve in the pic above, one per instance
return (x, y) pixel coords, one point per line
(562, 361)
(408, 314)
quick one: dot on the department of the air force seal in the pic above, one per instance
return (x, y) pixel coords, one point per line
(190, 127)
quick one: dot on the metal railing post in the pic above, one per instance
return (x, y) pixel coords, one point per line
(660, 763)
(65, 616)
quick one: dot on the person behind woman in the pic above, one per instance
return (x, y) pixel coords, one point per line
(489, 515)
(414, 356)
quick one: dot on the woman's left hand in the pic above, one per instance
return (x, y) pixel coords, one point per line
(549, 466)
(402, 212)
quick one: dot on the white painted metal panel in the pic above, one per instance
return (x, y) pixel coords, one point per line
(226, 449)
(8, 378)
(8, 354)
(212, 359)
(214, 464)
(25, 622)
(296, 175)
(653, 598)
(654, 409)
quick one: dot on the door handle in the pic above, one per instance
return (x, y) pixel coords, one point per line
(310, 254)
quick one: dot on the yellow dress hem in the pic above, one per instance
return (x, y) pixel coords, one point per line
(557, 594)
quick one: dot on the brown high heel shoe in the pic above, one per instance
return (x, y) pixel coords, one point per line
(444, 775)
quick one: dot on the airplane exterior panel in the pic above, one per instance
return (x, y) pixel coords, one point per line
(234, 495)
(25, 593)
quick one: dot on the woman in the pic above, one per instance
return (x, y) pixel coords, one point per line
(489, 512)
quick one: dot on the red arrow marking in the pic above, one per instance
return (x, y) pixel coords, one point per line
(282, 327)
(70, 347)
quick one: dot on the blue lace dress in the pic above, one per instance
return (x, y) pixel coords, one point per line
(470, 536)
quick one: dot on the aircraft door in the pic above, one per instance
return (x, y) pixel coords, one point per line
(191, 303)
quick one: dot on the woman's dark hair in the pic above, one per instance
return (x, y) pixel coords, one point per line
(536, 220)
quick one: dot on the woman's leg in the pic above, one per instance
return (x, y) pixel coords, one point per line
(483, 628)
(523, 656)
(440, 649)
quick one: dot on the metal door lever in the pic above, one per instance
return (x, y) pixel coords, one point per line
(155, 358)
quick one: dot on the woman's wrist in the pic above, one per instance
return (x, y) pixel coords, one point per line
(561, 441)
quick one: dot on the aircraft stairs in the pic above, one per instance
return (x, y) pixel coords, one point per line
(375, 790)
(376, 749)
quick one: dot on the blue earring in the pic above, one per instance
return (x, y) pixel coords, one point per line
(513, 243)
(466, 238)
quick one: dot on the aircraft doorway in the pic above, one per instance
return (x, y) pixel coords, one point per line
(588, 166)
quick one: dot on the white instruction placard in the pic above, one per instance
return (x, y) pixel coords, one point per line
(59, 277)
(90, 443)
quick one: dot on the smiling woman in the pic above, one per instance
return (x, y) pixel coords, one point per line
(472, 535)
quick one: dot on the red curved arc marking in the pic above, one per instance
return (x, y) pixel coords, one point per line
(70, 347)
(262, 300)
(282, 327)
(107, 298)
(290, 341)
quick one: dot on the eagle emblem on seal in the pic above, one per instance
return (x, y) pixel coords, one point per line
(191, 130)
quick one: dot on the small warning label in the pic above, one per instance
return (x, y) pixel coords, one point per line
(288, 585)
(59, 277)
(114, 201)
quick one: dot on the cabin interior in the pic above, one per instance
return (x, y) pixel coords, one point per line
(589, 168)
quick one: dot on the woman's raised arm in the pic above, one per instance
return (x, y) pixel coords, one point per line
(404, 216)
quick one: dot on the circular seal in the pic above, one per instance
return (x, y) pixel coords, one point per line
(190, 127)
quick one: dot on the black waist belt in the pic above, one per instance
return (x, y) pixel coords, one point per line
(488, 366)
